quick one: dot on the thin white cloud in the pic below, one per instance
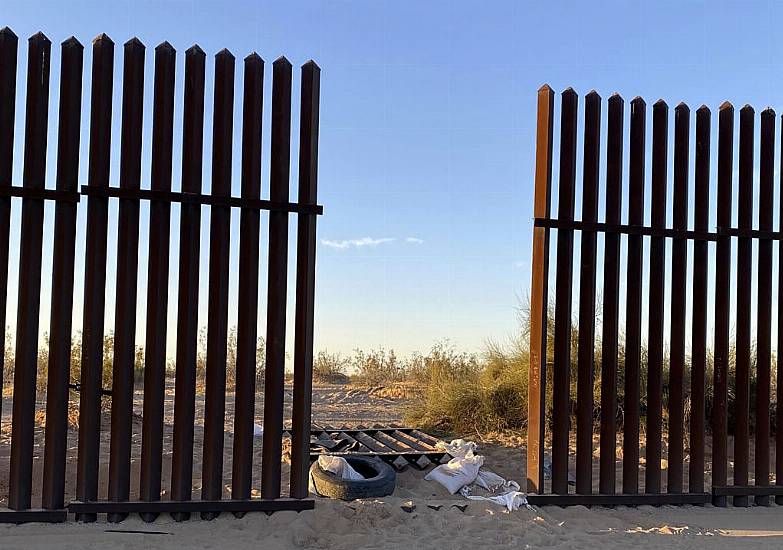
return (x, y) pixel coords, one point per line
(356, 243)
(414, 240)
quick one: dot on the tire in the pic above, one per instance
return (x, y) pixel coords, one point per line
(379, 481)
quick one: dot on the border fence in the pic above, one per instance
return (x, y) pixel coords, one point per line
(687, 436)
(67, 196)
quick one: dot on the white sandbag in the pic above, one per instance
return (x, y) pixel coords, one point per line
(457, 472)
(458, 448)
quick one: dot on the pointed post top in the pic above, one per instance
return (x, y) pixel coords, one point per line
(726, 105)
(660, 104)
(7, 34)
(253, 58)
(639, 100)
(615, 97)
(134, 43)
(39, 37)
(72, 42)
(310, 64)
(282, 60)
(102, 38)
(593, 95)
(769, 111)
(747, 109)
(165, 46)
(545, 88)
(195, 49)
(224, 53)
(703, 110)
(569, 92)
(682, 106)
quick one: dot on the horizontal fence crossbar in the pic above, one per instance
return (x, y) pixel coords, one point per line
(40, 193)
(33, 516)
(199, 198)
(665, 232)
(641, 499)
(748, 490)
(191, 506)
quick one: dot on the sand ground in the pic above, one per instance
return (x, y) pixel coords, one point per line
(438, 520)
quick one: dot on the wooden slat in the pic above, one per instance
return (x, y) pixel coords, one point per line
(678, 299)
(744, 274)
(536, 420)
(157, 278)
(68, 141)
(277, 281)
(305, 279)
(95, 274)
(187, 306)
(633, 318)
(700, 282)
(611, 297)
(586, 338)
(722, 296)
(764, 312)
(127, 268)
(563, 291)
(656, 304)
(247, 322)
(30, 252)
(8, 51)
(217, 315)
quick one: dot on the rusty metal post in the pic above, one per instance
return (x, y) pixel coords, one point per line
(610, 330)
(69, 136)
(305, 279)
(586, 338)
(31, 243)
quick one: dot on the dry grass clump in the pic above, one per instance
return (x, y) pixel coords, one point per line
(469, 393)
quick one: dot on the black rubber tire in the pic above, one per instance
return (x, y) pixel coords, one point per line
(380, 480)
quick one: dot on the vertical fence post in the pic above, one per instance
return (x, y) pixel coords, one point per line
(563, 293)
(219, 243)
(764, 319)
(187, 306)
(678, 299)
(247, 318)
(744, 273)
(69, 135)
(586, 338)
(779, 370)
(31, 242)
(305, 279)
(722, 295)
(633, 315)
(278, 272)
(8, 50)
(610, 330)
(699, 331)
(538, 293)
(656, 305)
(157, 279)
(127, 268)
(95, 274)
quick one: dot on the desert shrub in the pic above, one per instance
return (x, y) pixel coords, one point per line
(330, 367)
(377, 367)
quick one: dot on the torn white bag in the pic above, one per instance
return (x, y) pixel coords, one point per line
(338, 466)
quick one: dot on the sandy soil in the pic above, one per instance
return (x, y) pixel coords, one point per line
(439, 520)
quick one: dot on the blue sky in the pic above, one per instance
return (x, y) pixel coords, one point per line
(427, 134)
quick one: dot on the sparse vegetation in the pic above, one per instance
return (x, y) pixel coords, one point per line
(330, 368)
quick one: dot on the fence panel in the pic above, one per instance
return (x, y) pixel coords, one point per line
(668, 397)
(130, 193)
